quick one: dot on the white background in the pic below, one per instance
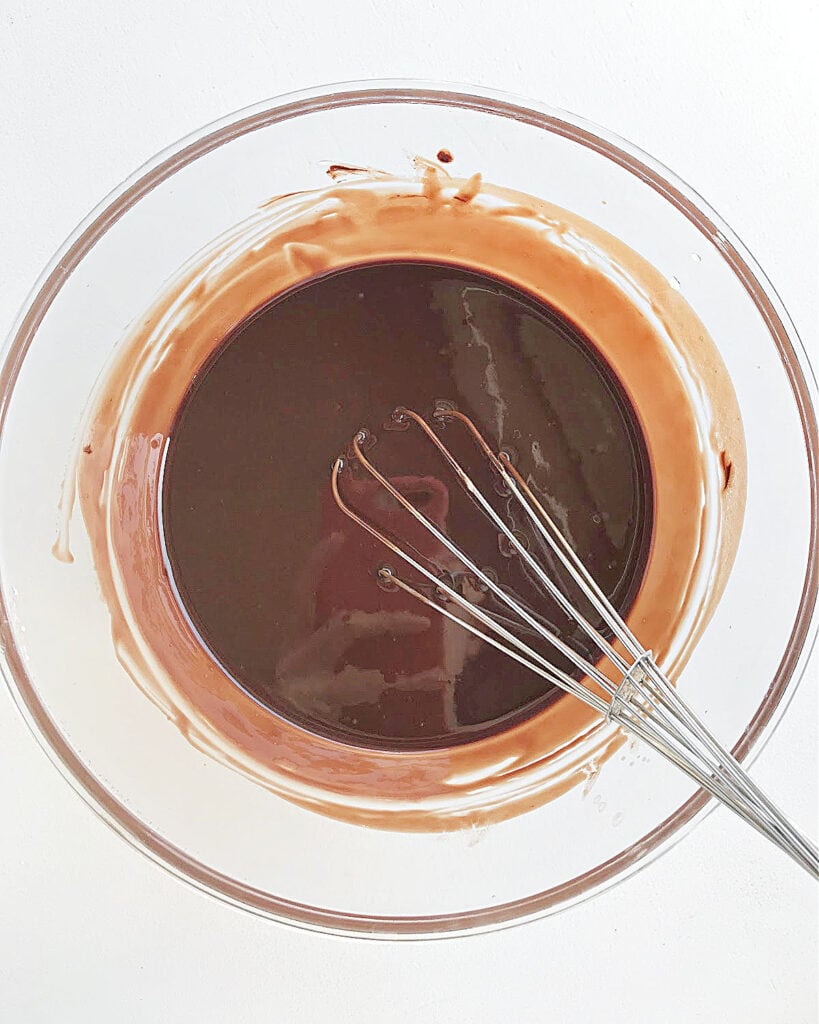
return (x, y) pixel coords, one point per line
(722, 927)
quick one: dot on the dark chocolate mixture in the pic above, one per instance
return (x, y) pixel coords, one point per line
(281, 586)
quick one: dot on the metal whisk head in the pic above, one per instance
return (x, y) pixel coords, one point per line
(625, 685)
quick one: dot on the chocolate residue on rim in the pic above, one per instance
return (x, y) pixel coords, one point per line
(727, 468)
(661, 352)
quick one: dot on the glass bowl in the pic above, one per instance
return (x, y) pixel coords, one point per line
(211, 825)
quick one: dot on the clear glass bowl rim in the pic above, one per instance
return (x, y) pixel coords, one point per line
(783, 334)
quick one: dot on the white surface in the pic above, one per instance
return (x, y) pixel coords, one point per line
(722, 927)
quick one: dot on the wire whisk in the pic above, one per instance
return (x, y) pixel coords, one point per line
(640, 698)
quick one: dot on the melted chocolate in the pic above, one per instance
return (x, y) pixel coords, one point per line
(281, 587)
